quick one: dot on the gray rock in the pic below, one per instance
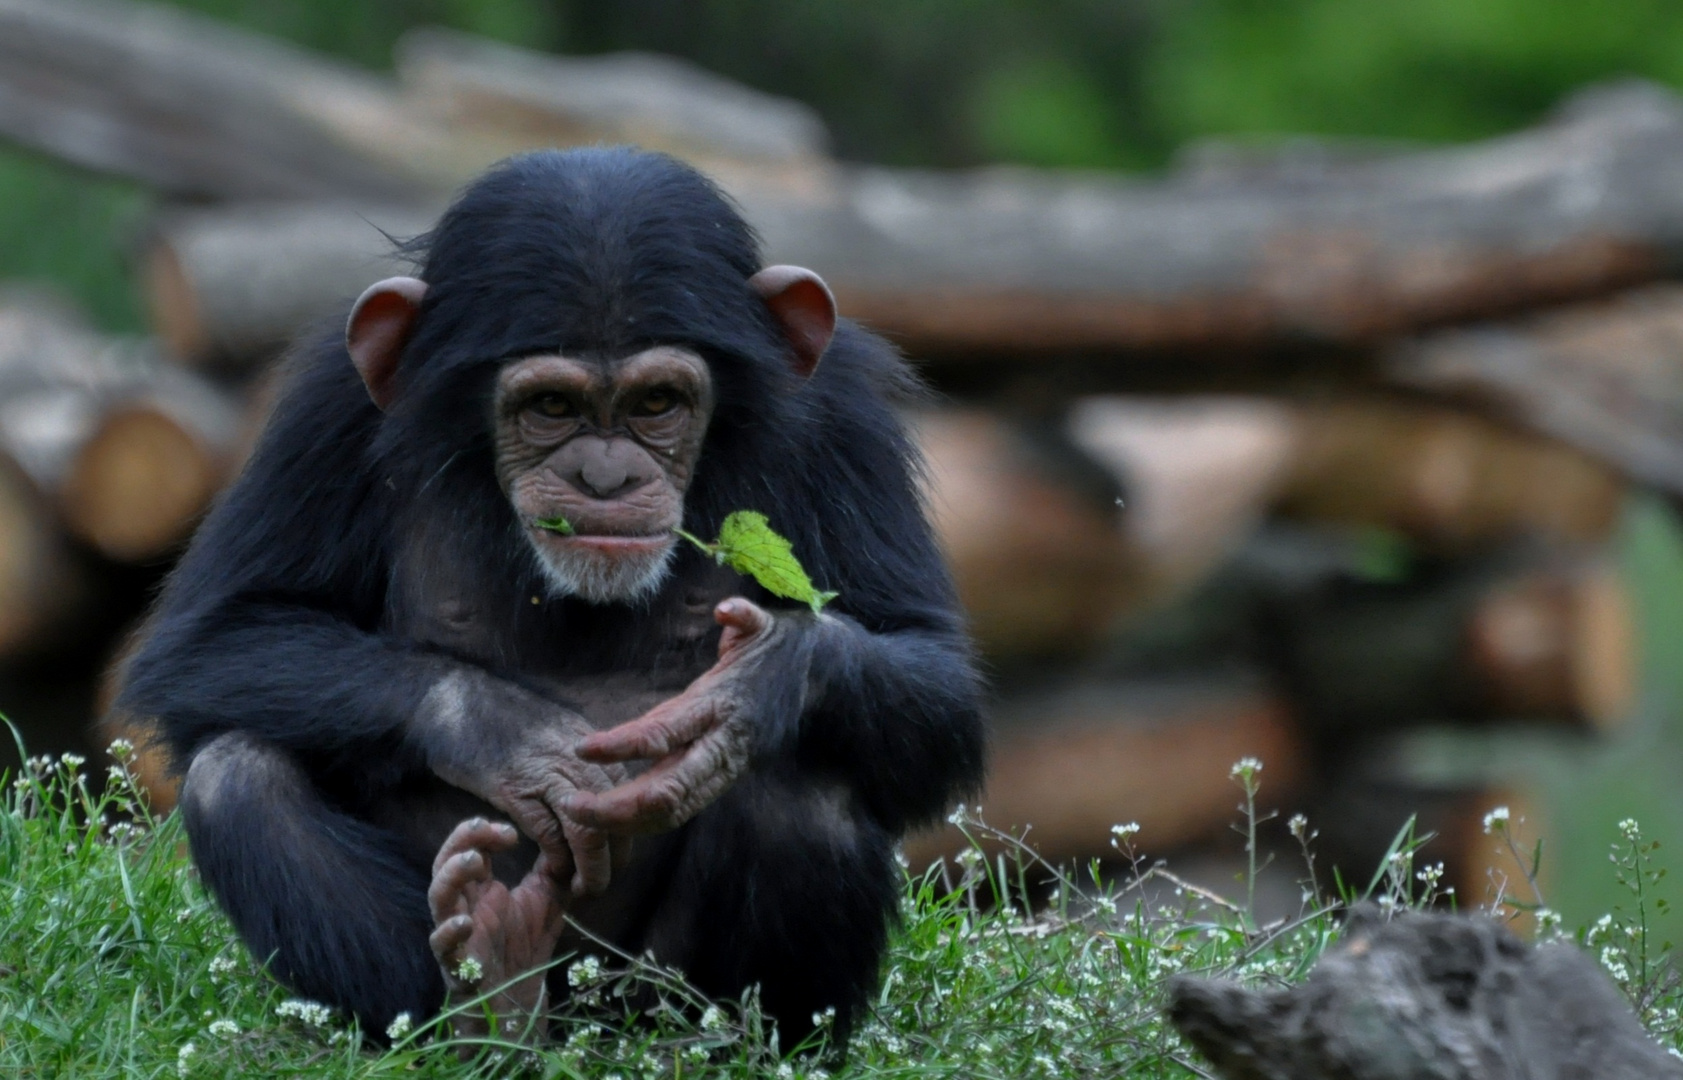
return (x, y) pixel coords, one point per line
(1426, 997)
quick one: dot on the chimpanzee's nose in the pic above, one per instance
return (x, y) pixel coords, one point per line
(606, 468)
(602, 476)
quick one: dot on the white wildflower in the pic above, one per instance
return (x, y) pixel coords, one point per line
(957, 817)
(72, 761)
(401, 1025)
(224, 1028)
(584, 972)
(470, 970)
(184, 1058)
(1245, 768)
(223, 965)
(1065, 1008)
(1497, 820)
(713, 1019)
(1630, 830)
(1298, 826)
(312, 1013)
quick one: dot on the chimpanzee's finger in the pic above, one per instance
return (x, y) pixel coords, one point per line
(539, 819)
(456, 885)
(449, 942)
(663, 730)
(592, 859)
(541, 890)
(674, 790)
(475, 833)
(743, 621)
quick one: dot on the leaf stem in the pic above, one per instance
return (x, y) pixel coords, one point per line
(711, 549)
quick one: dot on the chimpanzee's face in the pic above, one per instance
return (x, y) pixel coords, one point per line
(610, 446)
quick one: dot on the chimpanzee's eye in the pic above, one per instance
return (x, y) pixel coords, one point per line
(655, 402)
(551, 405)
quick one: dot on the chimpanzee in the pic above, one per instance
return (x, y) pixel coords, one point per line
(407, 714)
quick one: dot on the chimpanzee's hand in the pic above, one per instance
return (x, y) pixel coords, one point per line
(699, 741)
(488, 935)
(534, 783)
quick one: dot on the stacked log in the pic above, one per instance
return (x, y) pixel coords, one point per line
(127, 449)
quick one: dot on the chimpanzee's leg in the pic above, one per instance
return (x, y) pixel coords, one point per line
(783, 882)
(323, 897)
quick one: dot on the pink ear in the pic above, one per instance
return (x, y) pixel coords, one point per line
(801, 303)
(378, 327)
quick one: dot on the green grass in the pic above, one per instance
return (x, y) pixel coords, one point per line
(113, 962)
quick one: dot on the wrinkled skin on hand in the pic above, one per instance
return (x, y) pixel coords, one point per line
(507, 934)
(534, 787)
(699, 741)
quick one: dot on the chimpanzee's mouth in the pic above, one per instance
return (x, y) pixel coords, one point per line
(608, 543)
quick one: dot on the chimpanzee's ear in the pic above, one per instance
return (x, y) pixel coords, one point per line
(801, 303)
(378, 327)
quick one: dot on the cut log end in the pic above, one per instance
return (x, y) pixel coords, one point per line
(1558, 643)
(1449, 480)
(1094, 760)
(170, 300)
(138, 486)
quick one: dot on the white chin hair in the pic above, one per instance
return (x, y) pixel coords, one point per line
(604, 579)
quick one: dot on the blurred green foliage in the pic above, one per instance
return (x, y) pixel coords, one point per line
(1086, 83)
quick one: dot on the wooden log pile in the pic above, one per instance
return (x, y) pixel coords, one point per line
(1279, 455)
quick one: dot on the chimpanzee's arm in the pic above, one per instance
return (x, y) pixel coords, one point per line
(350, 701)
(898, 713)
(313, 683)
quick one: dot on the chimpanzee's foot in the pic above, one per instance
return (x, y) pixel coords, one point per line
(487, 935)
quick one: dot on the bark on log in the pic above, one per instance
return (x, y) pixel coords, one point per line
(230, 288)
(128, 449)
(1601, 376)
(1073, 764)
(1003, 262)
(197, 108)
(659, 102)
(1450, 481)
(192, 107)
(1425, 997)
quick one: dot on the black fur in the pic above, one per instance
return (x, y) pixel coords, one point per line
(288, 620)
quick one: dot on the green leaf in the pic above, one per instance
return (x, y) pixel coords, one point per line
(748, 545)
(554, 524)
